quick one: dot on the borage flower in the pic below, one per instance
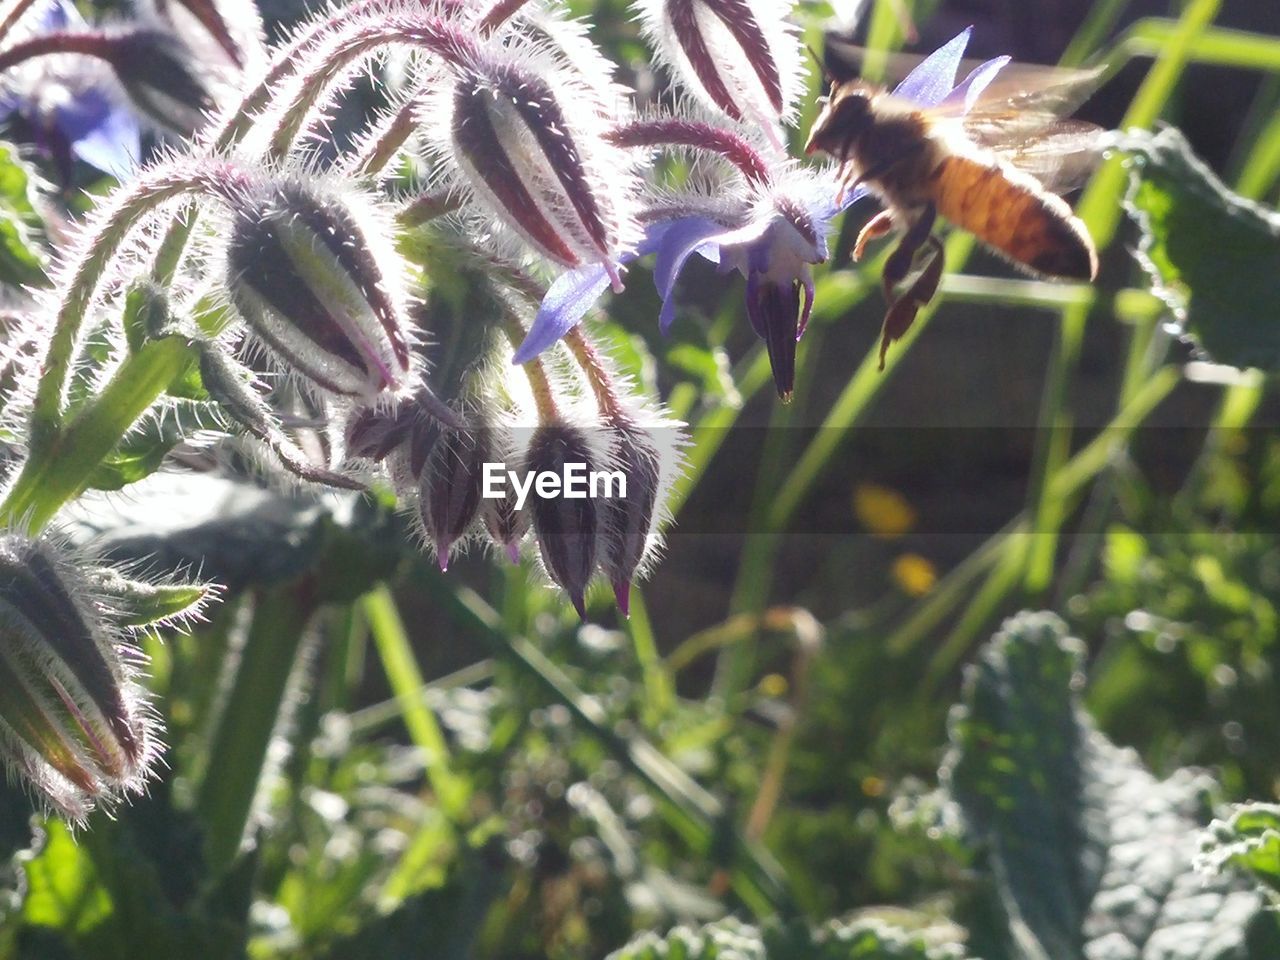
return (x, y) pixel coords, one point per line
(772, 236)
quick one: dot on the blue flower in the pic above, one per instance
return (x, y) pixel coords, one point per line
(771, 238)
(69, 104)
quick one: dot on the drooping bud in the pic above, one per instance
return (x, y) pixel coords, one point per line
(73, 722)
(161, 78)
(506, 524)
(738, 56)
(566, 527)
(373, 433)
(627, 520)
(451, 487)
(524, 141)
(303, 273)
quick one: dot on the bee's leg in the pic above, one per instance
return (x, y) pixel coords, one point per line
(902, 311)
(899, 263)
(926, 285)
(877, 227)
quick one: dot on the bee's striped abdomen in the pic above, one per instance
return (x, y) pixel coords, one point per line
(1011, 213)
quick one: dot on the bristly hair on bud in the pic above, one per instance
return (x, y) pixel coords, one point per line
(505, 524)
(450, 493)
(566, 528)
(75, 725)
(527, 136)
(628, 523)
(740, 57)
(310, 272)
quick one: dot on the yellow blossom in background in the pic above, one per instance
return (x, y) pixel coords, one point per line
(884, 512)
(914, 574)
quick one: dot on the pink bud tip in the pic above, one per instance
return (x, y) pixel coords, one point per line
(513, 551)
(442, 557)
(622, 594)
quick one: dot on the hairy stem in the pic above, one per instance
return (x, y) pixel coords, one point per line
(677, 132)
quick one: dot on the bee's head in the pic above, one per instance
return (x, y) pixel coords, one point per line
(846, 116)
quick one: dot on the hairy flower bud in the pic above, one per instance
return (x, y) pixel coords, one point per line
(373, 433)
(566, 528)
(627, 521)
(303, 273)
(525, 143)
(506, 524)
(162, 79)
(72, 722)
(738, 56)
(451, 487)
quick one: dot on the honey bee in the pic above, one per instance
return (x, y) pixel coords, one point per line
(989, 169)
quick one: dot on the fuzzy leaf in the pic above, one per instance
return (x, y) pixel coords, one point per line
(1249, 841)
(237, 534)
(21, 261)
(730, 939)
(1091, 855)
(139, 603)
(1213, 256)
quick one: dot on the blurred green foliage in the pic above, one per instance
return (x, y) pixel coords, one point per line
(728, 787)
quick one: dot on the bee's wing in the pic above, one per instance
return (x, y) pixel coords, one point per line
(1035, 90)
(1019, 114)
(1061, 154)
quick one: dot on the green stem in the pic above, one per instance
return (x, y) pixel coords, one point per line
(61, 469)
(392, 643)
(160, 185)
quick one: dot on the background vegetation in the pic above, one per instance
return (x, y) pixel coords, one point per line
(806, 741)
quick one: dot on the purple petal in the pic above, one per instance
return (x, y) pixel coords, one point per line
(696, 235)
(810, 291)
(754, 314)
(102, 133)
(967, 94)
(563, 308)
(574, 291)
(681, 240)
(932, 79)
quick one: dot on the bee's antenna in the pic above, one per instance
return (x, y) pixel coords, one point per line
(821, 64)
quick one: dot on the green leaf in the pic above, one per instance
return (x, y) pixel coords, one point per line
(730, 939)
(1213, 256)
(63, 891)
(1092, 857)
(1249, 841)
(21, 260)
